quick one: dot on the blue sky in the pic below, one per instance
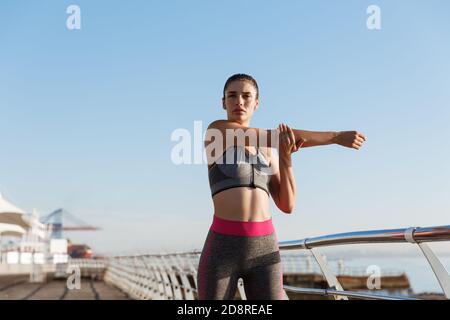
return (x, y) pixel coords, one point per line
(87, 115)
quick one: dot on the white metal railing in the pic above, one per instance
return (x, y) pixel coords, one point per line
(89, 263)
(174, 275)
(418, 236)
(91, 268)
(155, 277)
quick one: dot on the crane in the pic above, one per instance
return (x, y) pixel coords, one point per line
(55, 219)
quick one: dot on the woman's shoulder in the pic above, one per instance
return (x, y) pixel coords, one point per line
(222, 124)
(217, 123)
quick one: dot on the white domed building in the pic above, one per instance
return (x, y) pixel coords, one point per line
(23, 239)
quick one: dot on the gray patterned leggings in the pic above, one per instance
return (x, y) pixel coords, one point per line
(226, 258)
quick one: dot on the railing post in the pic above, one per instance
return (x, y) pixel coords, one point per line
(439, 270)
(328, 274)
(133, 276)
(171, 265)
(141, 282)
(151, 274)
(187, 288)
(168, 293)
(152, 281)
(441, 274)
(160, 292)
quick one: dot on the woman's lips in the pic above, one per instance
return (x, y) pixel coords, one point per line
(238, 111)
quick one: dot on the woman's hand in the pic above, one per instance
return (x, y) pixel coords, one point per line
(287, 141)
(350, 139)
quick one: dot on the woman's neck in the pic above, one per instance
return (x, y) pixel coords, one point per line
(243, 123)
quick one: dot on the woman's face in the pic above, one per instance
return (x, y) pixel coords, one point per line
(240, 101)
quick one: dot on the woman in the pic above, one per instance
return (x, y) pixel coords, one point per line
(243, 174)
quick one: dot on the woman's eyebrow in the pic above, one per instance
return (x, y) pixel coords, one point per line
(236, 92)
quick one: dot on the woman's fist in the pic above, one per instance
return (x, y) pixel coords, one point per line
(350, 139)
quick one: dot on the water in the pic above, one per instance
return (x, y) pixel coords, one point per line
(416, 267)
(419, 272)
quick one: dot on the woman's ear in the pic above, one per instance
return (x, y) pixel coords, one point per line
(256, 105)
(223, 104)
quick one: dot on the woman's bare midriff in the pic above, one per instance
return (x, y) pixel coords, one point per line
(242, 204)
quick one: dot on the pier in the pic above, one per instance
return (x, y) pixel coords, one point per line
(19, 288)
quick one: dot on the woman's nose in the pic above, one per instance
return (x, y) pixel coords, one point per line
(239, 100)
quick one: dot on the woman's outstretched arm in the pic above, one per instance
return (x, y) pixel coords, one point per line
(350, 139)
(232, 133)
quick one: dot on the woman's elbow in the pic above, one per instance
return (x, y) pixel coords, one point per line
(286, 205)
(287, 209)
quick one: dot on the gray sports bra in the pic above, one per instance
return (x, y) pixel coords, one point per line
(239, 168)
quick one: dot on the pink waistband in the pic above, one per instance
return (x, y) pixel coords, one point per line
(242, 228)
